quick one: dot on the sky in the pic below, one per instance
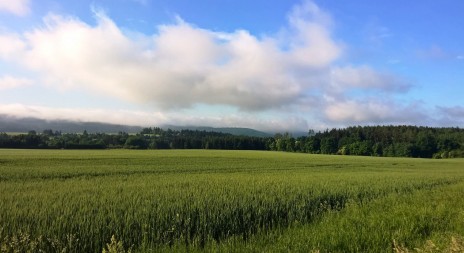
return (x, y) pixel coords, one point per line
(278, 65)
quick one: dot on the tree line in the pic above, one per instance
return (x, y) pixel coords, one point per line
(388, 141)
(148, 138)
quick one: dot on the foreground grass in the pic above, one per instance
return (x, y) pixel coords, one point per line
(424, 221)
(226, 201)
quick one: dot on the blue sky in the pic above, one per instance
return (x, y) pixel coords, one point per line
(273, 66)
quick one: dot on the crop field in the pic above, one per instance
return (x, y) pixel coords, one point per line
(227, 201)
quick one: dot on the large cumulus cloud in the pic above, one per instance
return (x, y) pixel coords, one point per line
(181, 65)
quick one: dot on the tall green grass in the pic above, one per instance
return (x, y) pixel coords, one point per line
(224, 200)
(401, 222)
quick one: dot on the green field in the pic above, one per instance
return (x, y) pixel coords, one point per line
(228, 201)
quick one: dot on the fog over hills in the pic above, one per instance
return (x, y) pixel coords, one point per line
(14, 124)
(230, 130)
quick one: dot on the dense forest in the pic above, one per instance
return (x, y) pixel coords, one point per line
(393, 141)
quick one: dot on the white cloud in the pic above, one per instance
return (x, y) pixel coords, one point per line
(17, 7)
(353, 111)
(181, 65)
(372, 111)
(10, 46)
(10, 82)
(312, 44)
(343, 78)
(453, 112)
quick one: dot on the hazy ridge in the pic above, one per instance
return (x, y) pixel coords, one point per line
(13, 124)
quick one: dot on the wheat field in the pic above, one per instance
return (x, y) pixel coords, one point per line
(227, 201)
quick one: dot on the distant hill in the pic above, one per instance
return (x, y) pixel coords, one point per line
(228, 130)
(22, 125)
(12, 124)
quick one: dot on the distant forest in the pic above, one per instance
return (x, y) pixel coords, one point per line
(388, 141)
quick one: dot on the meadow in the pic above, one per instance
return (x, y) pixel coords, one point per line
(227, 201)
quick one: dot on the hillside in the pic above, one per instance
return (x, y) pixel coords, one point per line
(12, 124)
(228, 130)
(23, 125)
